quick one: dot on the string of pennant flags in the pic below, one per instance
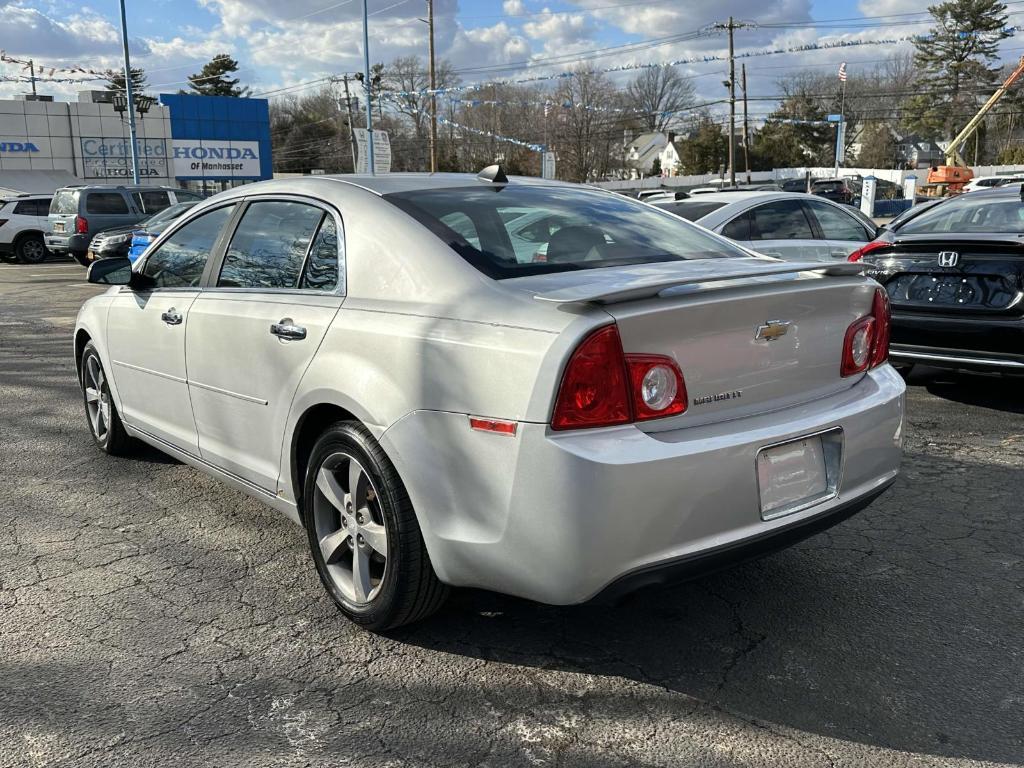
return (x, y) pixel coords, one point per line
(807, 47)
(48, 73)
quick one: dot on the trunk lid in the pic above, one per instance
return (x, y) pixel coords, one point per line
(952, 274)
(749, 335)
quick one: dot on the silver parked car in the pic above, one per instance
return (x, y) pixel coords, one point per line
(788, 225)
(375, 358)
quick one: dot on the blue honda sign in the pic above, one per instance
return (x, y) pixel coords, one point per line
(18, 146)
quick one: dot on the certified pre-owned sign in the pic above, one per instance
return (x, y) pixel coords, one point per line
(216, 159)
(111, 158)
(18, 146)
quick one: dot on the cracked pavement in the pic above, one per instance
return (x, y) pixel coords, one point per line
(151, 616)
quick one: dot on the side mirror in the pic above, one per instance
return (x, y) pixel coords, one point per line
(117, 271)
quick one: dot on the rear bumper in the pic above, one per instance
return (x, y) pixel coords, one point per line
(66, 243)
(984, 344)
(726, 556)
(562, 517)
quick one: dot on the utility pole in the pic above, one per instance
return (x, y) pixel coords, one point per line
(732, 105)
(32, 74)
(130, 95)
(369, 89)
(731, 26)
(351, 118)
(433, 87)
(746, 128)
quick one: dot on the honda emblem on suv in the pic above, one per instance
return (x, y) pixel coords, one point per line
(948, 258)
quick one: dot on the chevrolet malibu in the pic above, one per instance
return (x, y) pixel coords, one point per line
(374, 358)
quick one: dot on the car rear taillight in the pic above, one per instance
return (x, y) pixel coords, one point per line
(883, 322)
(860, 253)
(81, 225)
(866, 344)
(657, 385)
(603, 387)
(595, 388)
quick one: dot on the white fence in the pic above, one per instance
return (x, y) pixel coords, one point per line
(778, 174)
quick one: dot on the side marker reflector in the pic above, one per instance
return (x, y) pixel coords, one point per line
(492, 425)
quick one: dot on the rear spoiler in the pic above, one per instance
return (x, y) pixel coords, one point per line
(613, 287)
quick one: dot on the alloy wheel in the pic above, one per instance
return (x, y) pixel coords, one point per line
(350, 528)
(97, 398)
(33, 251)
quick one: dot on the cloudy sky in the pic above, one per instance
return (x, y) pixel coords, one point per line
(285, 47)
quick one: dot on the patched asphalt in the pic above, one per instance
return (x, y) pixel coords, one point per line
(150, 616)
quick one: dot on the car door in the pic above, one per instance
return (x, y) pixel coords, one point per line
(146, 332)
(841, 233)
(253, 333)
(777, 228)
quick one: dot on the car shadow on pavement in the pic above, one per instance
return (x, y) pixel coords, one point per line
(995, 392)
(870, 633)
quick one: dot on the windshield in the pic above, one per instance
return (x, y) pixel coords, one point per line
(691, 210)
(65, 201)
(976, 212)
(555, 229)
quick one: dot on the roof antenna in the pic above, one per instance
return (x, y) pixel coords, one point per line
(493, 174)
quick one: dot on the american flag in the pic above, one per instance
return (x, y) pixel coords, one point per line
(842, 72)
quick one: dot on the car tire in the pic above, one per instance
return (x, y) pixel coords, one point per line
(30, 249)
(101, 413)
(81, 258)
(347, 531)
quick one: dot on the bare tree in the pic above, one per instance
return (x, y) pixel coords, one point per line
(586, 134)
(656, 95)
(405, 78)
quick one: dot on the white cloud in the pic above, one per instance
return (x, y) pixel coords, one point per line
(513, 7)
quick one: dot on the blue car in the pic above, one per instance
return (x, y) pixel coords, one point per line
(151, 228)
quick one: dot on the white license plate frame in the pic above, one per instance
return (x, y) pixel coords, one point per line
(812, 465)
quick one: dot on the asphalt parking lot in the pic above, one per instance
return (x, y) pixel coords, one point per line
(151, 616)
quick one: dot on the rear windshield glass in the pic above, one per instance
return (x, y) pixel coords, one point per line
(970, 213)
(65, 201)
(690, 210)
(554, 229)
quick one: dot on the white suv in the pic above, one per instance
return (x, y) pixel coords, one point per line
(23, 220)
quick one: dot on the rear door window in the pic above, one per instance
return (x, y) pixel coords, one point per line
(151, 201)
(739, 228)
(781, 220)
(269, 248)
(32, 207)
(101, 203)
(836, 224)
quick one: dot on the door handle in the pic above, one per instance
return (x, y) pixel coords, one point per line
(286, 329)
(841, 254)
(171, 317)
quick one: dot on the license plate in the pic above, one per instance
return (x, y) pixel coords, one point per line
(58, 226)
(796, 474)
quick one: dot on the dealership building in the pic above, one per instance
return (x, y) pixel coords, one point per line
(204, 143)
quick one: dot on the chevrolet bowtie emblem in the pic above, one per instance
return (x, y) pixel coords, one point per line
(772, 330)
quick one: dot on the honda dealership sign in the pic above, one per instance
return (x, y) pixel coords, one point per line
(217, 159)
(111, 158)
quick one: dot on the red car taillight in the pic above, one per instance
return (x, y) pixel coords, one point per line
(866, 344)
(603, 387)
(81, 225)
(860, 253)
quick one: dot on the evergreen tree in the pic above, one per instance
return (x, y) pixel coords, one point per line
(877, 146)
(115, 80)
(794, 135)
(958, 58)
(705, 150)
(214, 78)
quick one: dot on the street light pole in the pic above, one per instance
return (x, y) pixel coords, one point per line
(732, 106)
(130, 95)
(369, 88)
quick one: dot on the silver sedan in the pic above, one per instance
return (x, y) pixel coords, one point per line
(628, 400)
(788, 225)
